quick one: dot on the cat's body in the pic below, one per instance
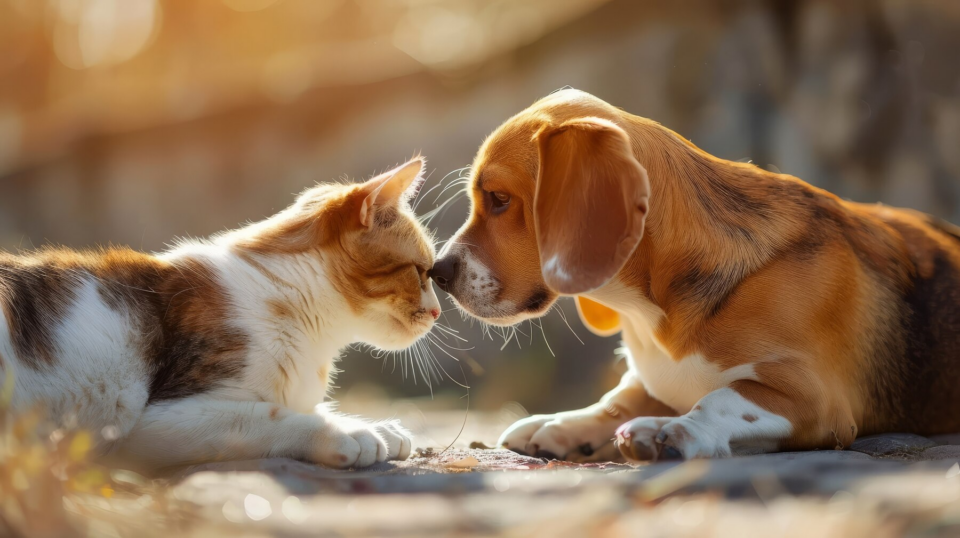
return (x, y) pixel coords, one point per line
(223, 349)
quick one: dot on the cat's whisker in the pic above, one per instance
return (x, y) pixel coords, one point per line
(428, 360)
(434, 363)
(416, 365)
(431, 362)
(447, 374)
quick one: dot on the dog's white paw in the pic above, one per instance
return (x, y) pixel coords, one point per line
(355, 443)
(664, 438)
(574, 436)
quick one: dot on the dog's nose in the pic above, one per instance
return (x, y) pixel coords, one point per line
(445, 271)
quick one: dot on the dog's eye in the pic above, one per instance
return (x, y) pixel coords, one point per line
(499, 201)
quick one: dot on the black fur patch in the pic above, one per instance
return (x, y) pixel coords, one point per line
(711, 289)
(918, 382)
(723, 201)
(34, 298)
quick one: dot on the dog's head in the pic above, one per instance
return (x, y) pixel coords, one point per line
(558, 206)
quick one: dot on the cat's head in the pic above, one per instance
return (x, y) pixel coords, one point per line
(374, 251)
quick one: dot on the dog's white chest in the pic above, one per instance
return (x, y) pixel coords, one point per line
(677, 383)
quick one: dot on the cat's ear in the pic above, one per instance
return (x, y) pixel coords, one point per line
(392, 188)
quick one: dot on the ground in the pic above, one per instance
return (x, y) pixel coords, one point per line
(890, 485)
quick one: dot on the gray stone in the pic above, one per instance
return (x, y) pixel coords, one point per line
(947, 438)
(945, 452)
(890, 444)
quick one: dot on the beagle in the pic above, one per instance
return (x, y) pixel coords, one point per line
(760, 313)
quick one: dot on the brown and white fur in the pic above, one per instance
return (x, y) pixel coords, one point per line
(223, 349)
(760, 313)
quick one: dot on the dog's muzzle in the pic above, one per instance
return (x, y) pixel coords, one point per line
(445, 271)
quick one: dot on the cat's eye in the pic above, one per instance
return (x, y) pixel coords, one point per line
(498, 201)
(422, 276)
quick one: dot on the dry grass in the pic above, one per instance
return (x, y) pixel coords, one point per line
(50, 488)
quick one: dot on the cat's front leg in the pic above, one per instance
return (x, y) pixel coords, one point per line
(375, 442)
(201, 429)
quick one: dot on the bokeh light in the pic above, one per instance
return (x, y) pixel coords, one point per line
(90, 33)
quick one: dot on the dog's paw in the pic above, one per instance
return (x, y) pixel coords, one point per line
(666, 438)
(355, 443)
(574, 436)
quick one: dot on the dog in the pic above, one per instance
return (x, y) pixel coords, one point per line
(761, 313)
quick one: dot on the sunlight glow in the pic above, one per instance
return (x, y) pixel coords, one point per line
(103, 32)
(256, 507)
(249, 5)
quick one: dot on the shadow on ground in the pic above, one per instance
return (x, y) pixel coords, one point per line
(887, 485)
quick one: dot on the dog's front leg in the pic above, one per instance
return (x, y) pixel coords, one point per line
(585, 434)
(746, 417)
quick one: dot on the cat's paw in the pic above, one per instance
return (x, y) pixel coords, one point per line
(356, 443)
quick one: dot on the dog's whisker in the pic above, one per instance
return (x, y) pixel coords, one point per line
(545, 341)
(458, 171)
(428, 217)
(452, 333)
(565, 322)
(457, 182)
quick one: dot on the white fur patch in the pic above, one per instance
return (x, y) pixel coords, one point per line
(98, 380)
(679, 383)
(562, 434)
(476, 290)
(722, 424)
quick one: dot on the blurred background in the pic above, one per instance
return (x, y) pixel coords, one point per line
(135, 121)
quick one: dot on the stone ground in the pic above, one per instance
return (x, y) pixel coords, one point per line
(891, 485)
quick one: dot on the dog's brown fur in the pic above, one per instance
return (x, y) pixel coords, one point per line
(849, 313)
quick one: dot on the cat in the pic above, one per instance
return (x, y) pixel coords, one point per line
(222, 349)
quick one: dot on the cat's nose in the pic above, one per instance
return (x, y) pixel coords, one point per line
(444, 272)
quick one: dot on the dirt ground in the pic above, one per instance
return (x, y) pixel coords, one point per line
(894, 485)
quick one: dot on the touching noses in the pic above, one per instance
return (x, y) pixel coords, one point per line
(444, 272)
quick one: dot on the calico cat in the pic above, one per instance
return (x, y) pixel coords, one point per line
(223, 348)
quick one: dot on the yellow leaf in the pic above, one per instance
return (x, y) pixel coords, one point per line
(79, 447)
(466, 463)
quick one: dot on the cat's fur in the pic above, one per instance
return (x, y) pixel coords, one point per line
(223, 349)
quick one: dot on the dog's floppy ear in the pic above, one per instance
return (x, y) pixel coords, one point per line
(599, 319)
(590, 203)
